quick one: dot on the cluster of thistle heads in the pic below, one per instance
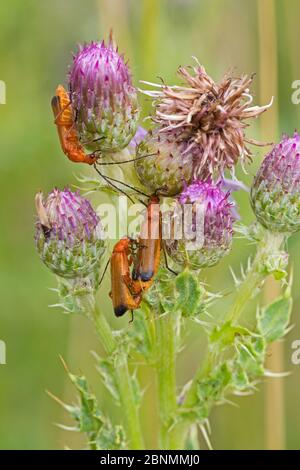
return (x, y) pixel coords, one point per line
(196, 140)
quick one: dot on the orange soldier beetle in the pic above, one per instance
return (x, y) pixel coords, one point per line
(69, 140)
(125, 294)
(67, 133)
(126, 289)
(150, 245)
(148, 256)
(70, 143)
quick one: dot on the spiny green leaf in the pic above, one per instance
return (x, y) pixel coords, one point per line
(239, 378)
(73, 410)
(274, 319)
(226, 334)
(251, 357)
(77, 296)
(88, 415)
(110, 437)
(89, 418)
(106, 369)
(211, 390)
(138, 395)
(213, 386)
(141, 333)
(248, 362)
(101, 433)
(189, 292)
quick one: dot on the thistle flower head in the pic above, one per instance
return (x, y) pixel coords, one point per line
(161, 164)
(68, 234)
(218, 218)
(213, 228)
(209, 117)
(103, 98)
(275, 193)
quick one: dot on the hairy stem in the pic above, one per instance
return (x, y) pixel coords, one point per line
(246, 291)
(166, 378)
(269, 245)
(128, 403)
(104, 332)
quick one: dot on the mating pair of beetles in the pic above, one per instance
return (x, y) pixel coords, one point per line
(133, 263)
(143, 255)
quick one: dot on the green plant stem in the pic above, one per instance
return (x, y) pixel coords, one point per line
(104, 332)
(166, 378)
(128, 402)
(269, 245)
(123, 379)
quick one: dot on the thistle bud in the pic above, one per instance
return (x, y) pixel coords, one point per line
(275, 193)
(207, 236)
(103, 98)
(68, 234)
(162, 166)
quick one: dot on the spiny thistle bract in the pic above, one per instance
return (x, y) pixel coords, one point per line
(209, 117)
(103, 98)
(213, 225)
(275, 194)
(68, 234)
(162, 165)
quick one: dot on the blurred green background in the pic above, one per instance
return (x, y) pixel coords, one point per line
(36, 40)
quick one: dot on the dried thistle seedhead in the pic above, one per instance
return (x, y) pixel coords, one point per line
(210, 117)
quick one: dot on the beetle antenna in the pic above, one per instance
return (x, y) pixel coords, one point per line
(120, 182)
(127, 161)
(109, 181)
(104, 272)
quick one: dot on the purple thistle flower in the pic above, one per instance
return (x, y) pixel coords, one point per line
(68, 234)
(103, 98)
(214, 228)
(275, 193)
